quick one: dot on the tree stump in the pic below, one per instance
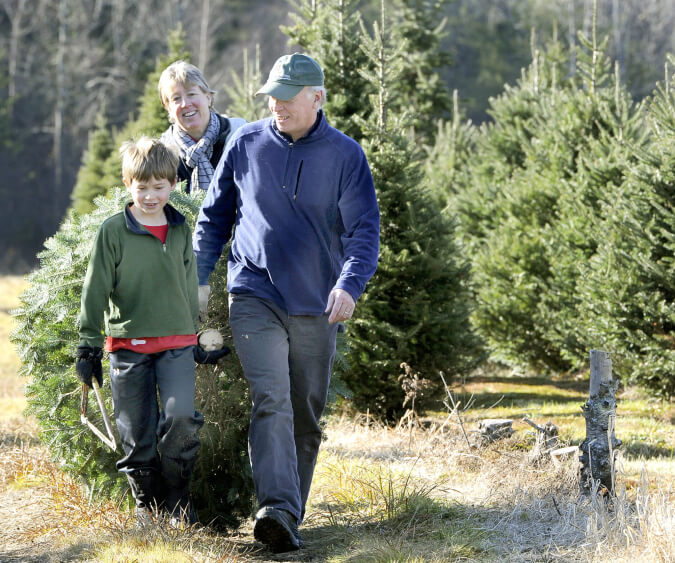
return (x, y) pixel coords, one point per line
(599, 449)
(493, 429)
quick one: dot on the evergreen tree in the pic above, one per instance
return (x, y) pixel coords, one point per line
(606, 155)
(629, 297)
(420, 89)
(330, 31)
(90, 178)
(46, 337)
(537, 252)
(500, 153)
(448, 158)
(494, 199)
(152, 118)
(100, 170)
(415, 308)
(243, 102)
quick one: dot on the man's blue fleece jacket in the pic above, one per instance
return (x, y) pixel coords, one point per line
(304, 213)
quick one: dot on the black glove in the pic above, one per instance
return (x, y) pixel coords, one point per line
(89, 364)
(212, 357)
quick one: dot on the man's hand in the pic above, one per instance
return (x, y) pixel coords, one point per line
(340, 306)
(88, 365)
(203, 357)
(203, 292)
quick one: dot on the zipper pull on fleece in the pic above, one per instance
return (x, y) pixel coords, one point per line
(297, 181)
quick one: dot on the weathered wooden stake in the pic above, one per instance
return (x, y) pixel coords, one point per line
(599, 449)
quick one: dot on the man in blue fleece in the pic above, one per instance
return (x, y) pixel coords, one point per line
(300, 196)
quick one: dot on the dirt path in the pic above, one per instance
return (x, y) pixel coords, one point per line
(46, 518)
(20, 510)
(23, 494)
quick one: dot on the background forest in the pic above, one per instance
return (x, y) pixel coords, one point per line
(65, 62)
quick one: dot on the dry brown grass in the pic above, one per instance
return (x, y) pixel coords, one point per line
(416, 493)
(10, 382)
(503, 506)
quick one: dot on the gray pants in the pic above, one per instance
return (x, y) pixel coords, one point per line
(166, 442)
(287, 361)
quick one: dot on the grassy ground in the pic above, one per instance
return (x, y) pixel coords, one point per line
(423, 492)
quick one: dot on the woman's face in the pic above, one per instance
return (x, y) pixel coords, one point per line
(189, 108)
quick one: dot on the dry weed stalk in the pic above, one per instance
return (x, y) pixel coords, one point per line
(454, 409)
(413, 386)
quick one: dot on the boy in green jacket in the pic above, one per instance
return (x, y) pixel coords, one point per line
(141, 284)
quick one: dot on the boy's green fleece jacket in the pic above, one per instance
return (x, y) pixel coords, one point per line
(135, 285)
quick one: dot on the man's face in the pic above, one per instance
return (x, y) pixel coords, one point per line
(295, 117)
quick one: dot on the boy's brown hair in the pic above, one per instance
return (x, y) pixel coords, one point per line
(146, 158)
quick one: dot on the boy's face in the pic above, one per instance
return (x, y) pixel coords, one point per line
(189, 107)
(149, 199)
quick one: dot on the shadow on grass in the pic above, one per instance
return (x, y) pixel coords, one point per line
(519, 391)
(637, 449)
(440, 531)
(512, 399)
(46, 553)
(574, 383)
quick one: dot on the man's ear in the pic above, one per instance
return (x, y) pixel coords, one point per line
(173, 184)
(127, 183)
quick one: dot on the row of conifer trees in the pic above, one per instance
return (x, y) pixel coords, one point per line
(565, 206)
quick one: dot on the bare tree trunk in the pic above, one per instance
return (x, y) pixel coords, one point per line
(60, 101)
(204, 35)
(618, 39)
(15, 17)
(118, 10)
(599, 449)
(572, 36)
(588, 17)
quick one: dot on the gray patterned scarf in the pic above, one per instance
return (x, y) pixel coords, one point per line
(196, 154)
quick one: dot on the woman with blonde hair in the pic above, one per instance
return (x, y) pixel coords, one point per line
(197, 130)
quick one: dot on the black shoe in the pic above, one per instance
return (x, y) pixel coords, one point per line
(277, 529)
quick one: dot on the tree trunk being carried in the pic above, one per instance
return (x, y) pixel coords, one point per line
(599, 449)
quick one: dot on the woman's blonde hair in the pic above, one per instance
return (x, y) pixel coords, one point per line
(147, 158)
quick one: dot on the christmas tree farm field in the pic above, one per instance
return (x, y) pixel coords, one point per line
(423, 490)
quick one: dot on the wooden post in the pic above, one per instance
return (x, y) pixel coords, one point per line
(599, 449)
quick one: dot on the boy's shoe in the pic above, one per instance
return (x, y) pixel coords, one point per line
(277, 529)
(144, 517)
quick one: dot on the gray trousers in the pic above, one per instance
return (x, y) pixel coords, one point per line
(287, 361)
(163, 441)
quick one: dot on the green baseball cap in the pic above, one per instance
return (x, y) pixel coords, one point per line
(290, 74)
